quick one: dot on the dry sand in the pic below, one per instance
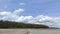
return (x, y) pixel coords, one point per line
(29, 31)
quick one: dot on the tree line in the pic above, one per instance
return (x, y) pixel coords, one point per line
(11, 24)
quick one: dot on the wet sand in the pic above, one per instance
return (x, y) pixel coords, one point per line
(29, 31)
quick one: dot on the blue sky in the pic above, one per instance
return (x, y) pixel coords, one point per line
(33, 7)
(45, 12)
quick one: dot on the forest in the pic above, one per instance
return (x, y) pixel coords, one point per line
(12, 24)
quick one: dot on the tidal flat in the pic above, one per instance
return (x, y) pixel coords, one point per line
(29, 31)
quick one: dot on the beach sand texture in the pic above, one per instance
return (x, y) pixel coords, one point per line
(29, 31)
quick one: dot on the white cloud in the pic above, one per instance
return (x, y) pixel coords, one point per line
(18, 11)
(24, 18)
(46, 20)
(41, 19)
(22, 3)
(50, 21)
(5, 13)
(11, 16)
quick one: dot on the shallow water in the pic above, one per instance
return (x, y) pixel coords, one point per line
(29, 31)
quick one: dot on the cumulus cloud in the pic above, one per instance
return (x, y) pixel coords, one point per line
(5, 13)
(18, 11)
(24, 18)
(50, 21)
(41, 19)
(11, 16)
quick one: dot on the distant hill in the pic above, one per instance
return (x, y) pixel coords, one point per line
(10, 24)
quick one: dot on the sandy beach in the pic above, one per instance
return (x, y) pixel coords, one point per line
(29, 31)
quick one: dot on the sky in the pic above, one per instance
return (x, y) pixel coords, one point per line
(45, 12)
